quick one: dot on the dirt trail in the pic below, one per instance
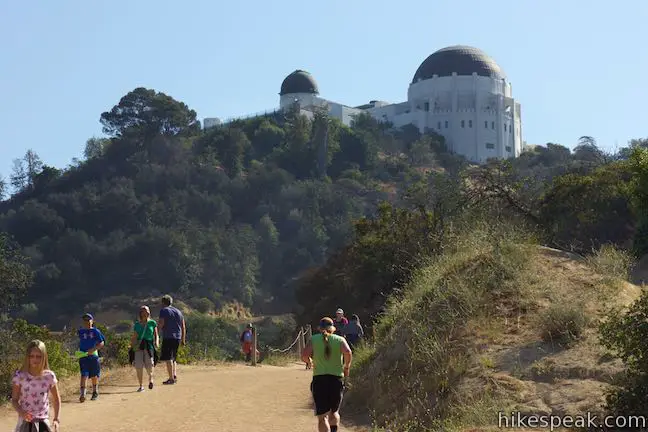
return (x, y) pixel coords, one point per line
(227, 399)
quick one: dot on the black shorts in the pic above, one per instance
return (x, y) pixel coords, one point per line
(169, 349)
(327, 393)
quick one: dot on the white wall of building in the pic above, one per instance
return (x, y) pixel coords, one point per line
(477, 115)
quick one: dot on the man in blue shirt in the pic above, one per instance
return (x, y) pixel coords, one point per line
(90, 341)
(174, 332)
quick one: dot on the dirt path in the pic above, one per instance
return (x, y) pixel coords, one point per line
(228, 399)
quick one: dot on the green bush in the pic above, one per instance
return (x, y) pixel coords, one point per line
(625, 334)
(14, 337)
(203, 305)
(563, 324)
(210, 338)
(611, 262)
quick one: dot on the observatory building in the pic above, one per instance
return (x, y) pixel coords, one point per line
(458, 92)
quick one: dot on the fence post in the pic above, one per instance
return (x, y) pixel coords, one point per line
(300, 347)
(254, 346)
(302, 337)
(309, 331)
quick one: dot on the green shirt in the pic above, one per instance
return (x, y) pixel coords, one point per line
(334, 365)
(147, 329)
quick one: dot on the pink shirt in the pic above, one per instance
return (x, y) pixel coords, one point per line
(34, 392)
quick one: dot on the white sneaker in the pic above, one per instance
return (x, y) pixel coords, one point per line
(141, 389)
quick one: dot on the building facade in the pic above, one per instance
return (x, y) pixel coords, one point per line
(458, 92)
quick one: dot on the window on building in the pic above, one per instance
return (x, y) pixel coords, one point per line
(490, 146)
(439, 125)
(505, 128)
(469, 123)
(486, 124)
(492, 125)
(427, 106)
(508, 149)
(463, 123)
(446, 124)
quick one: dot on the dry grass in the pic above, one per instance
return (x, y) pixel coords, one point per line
(493, 326)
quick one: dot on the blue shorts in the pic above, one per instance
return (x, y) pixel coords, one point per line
(90, 366)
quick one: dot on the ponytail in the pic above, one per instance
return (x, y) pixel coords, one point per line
(327, 347)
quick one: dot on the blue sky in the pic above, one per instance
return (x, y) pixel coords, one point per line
(577, 67)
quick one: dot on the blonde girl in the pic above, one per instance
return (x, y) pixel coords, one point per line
(32, 385)
(144, 341)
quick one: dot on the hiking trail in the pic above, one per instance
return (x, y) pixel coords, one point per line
(229, 398)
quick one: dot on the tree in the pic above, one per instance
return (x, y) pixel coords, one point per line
(18, 176)
(3, 188)
(147, 111)
(26, 170)
(95, 147)
(15, 275)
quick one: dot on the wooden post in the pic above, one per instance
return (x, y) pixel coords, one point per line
(254, 346)
(302, 336)
(300, 346)
(309, 331)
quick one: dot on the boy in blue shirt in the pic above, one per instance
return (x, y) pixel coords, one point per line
(90, 341)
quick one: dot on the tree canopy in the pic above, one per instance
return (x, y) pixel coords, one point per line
(248, 210)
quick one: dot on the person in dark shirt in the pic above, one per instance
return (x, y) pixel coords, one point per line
(354, 331)
(174, 332)
(340, 322)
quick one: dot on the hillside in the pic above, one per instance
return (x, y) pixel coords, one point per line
(496, 325)
(232, 214)
(242, 212)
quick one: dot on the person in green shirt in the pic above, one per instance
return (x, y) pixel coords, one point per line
(144, 341)
(330, 356)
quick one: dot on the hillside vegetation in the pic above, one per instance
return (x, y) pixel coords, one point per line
(231, 214)
(441, 259)
(496, 324)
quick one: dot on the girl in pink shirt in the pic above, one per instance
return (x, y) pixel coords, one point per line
(32, 385)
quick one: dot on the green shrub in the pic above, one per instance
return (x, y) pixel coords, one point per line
(14, 337)
(625, 334)
(210, 338)
(611, 262)
(563, 324)
(203, 305)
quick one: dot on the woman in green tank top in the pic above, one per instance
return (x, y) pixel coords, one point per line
(331, 357)
(144, 341)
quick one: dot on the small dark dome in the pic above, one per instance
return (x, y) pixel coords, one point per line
(464, 60)
(299, 81)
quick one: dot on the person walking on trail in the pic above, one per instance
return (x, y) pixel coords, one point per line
(90, 341)
(246, 342)
(174, 333)
(354, 331)
(340, 322)
(144, 341)
(32, 385)
(332, 357)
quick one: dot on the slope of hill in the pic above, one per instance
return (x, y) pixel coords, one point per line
(495, 325)
(229, 214)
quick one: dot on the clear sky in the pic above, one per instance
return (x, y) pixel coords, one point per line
(577, 67)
